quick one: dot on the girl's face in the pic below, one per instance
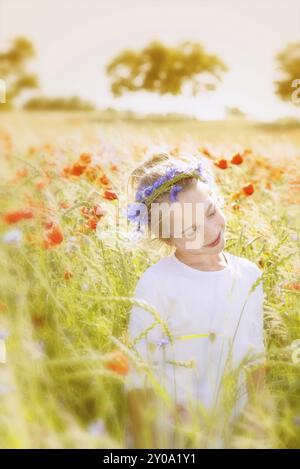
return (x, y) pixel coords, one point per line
(199, 224)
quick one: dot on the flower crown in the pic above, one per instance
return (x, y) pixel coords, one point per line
(137, 212)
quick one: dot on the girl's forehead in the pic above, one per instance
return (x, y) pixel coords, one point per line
(198, 193)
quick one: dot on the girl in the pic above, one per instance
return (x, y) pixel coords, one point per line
(210, 301)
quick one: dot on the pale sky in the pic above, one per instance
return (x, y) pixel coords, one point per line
(75, 39)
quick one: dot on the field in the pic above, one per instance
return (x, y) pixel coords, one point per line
(67, 277)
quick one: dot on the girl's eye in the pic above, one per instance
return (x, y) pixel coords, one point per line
(212, 214)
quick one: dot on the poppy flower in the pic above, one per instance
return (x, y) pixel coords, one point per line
(21, 173)
(98, 210)
(91, 173)
(53, 236)
(67, 275)
(118, 362)
(110, 194)
(205, 151)
(38, 320)
(222, 164)
(17, 215)
(104, 179)
(292, 286)
(236, 195)
(64, 204)
(92, 223)
(236, 207)
(248, 189)
(85, 158)
(40, 184)
(237, 159)
(85, 211)
(31, 150)
(48, 224)
(77, 169)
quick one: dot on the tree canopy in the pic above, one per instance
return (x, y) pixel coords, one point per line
(289, 66)
(161, 69)
(13, 64)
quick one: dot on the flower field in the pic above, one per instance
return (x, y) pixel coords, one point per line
(69, 264)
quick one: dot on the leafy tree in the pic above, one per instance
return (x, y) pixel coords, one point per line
(13, 64)
(161, 69)
(73, 103)
(289, 65)
(235, 113)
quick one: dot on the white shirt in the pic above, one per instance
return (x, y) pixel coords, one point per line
(191, 301)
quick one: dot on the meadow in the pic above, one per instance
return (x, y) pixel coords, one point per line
(67, 278)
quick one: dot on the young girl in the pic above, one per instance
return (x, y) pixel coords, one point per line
(210, 300)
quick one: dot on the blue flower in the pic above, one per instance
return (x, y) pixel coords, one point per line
(174, 191)
(12, 236)
(156, 184)
(97, 428)
(162, 342)
(170, 173)
(137, 212)
(148, 190)
(140, 195)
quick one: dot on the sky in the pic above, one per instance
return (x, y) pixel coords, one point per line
(75, 39)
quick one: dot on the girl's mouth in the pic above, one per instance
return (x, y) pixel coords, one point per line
(214, 243)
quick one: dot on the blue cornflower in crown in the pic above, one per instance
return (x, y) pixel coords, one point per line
(138, 211)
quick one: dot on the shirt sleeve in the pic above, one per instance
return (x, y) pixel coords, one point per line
(146, 334)
(255, 323)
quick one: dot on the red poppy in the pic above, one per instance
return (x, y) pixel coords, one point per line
(48, 224)
(118, 362)
(237, 159)
(109, 194)
(85, 211)
(222, 164)
(40, 184)
(98, 210)
(53, 236)
(17, 215)
(77, 169)
(92, 223)
(64, 204)
(104, 179)
(85, 158)
(248, 189)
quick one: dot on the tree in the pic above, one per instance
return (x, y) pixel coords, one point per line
(13, 70)
(161, 69)
(73, 103)
(235, 113)
(289, 65)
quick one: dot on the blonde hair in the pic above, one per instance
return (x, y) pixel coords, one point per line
(155, 167)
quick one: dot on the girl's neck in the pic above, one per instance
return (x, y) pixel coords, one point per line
(203, 261)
